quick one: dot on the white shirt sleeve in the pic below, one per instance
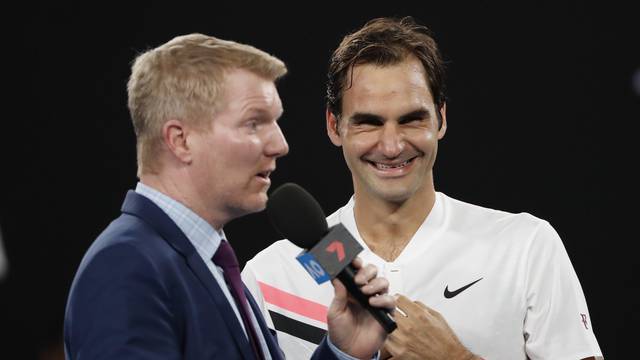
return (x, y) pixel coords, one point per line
(557, 323)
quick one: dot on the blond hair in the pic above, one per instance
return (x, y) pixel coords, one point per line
(183, 79)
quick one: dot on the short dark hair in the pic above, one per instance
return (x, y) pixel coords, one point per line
(385, 41)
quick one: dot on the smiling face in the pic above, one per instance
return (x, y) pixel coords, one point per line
(232, 160)
(388, 131)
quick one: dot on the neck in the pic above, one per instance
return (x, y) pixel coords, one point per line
(181, 192)
(387, 227)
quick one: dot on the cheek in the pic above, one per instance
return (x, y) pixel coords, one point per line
(424, 139)
(357, 145)
(242, 153)
(431, 138)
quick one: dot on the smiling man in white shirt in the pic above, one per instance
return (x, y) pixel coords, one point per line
(474, 282)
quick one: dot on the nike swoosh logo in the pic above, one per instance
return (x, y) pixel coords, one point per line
(449, 294)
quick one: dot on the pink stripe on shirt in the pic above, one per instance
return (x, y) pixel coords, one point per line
(293, 303)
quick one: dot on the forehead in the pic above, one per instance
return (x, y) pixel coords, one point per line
(245, 90)
(378, 87)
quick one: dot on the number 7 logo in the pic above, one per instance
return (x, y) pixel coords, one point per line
(338, 248)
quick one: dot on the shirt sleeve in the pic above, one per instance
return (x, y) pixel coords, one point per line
(557, 323)
(343, 356)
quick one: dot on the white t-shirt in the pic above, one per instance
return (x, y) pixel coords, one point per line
(525, 299)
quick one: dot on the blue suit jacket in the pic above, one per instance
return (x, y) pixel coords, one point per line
(143, 292)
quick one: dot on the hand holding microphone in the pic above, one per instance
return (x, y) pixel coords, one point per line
(297, 216)
(350, 325)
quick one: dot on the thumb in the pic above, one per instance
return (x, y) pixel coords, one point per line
(339, 294)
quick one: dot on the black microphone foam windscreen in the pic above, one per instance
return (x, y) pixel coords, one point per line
(296, 215)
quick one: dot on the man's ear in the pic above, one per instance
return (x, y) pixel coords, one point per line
(333, 128)
(174, 136)
(443, 124)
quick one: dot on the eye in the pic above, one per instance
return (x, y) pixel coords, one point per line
(252, 124)
(411, 119)
(366, 121)
(415, 117)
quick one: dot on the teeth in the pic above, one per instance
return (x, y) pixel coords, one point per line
(396, 166)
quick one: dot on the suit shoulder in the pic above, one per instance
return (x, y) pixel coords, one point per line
(125, 239)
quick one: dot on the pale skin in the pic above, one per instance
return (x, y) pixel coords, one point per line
(389, 132)
(220, 170)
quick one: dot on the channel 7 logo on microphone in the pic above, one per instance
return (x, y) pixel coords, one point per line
(330, 255)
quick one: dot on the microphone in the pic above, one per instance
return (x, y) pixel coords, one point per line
(297, 216)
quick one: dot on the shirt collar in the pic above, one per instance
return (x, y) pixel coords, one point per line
(200, 233)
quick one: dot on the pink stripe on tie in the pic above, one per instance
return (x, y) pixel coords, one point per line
(293, 303)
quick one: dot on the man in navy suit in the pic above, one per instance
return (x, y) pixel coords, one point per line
(160, 281)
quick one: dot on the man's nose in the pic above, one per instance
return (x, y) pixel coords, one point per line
(391, 140)
(277, 145)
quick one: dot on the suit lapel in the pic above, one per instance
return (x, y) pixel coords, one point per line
(139, 206)
(226, 311)
(272, 341)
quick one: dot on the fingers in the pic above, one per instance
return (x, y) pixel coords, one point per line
(422, 305)
(404, 302)
(405, 308)
(377, 290)
(376, 286)
(392, 345)
(366, 274)
(426, 308)
(366, 279)
(383, 301)
(399, 312)
(357, 263)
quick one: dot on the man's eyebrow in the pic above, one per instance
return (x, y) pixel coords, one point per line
(262, 112)
(365, 118)
(422, 113)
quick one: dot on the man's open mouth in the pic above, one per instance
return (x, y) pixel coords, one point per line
(264, 174)
(388, 166)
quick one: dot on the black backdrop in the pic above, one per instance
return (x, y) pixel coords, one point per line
(541, 119)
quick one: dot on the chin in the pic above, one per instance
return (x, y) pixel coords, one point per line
(257, 203)
(394, 194)
(396, 197)
(248, 205)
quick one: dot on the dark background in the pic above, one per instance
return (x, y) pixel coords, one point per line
(542, 117)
